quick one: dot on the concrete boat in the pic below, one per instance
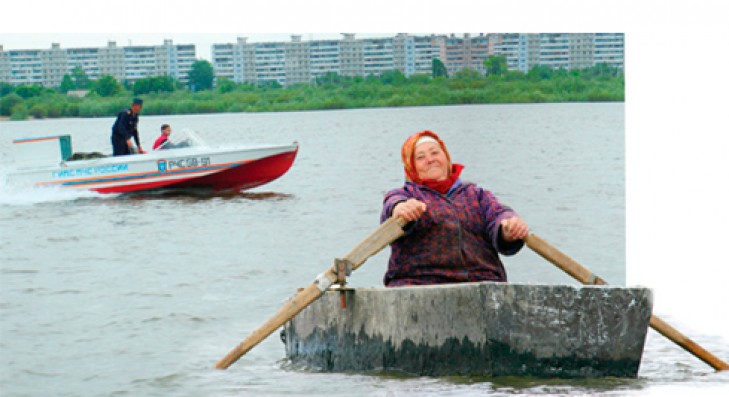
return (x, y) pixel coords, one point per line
(187, 162)
(474, 329)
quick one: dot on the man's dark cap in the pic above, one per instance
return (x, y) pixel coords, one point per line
(137, 101)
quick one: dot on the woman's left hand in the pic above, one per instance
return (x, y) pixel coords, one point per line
(514, 228)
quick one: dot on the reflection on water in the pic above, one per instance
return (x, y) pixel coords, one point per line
(555, 386)
(203, 194)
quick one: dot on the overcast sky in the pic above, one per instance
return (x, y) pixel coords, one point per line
(84, 23)
(676, 87)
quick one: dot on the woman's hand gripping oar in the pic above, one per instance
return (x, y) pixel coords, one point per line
(585, 276)
(386, 233)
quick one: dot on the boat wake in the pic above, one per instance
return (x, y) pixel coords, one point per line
(11, 194)
(26, 195)
(205, 194)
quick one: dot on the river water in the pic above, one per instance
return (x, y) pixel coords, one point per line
(140, 295)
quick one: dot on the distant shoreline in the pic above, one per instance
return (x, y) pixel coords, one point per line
(30, 118)
(332, 92)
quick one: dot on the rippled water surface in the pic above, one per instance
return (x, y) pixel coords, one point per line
(140, 295)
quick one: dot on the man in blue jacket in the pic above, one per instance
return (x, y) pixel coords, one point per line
(125, 128)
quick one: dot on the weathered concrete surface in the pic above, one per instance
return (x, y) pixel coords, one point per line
(475, 329)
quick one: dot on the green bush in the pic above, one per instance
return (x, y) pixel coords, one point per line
(38, 111)
(72, 110)
(8, 102)
(19, 112)
(159, 107)
(91, 109)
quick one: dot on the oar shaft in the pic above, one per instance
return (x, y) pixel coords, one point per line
(585, 276)
(687, 344)
(291, 308)
(562, 261)
(386, 233)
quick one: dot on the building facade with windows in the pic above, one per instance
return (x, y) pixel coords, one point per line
(21, 67)
(558, 50)
(129, 64)
(305, 61)
(301, 61)
(467, 52)
(609, 48)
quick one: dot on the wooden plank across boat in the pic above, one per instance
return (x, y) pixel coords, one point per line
(474, 329)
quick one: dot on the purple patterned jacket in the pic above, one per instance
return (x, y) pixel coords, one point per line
(457, 239)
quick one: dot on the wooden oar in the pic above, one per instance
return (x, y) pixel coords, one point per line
(585, 276)
(386, 233)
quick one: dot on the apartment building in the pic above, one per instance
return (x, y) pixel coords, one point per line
(351, 56)
(48, 67)
(301, 61)
(463, 53)
(324, 58)
(426, 49)
(297, 61)
(522, 51)
(609, 48)
(558, 50)
(21, 67)
(304, 61)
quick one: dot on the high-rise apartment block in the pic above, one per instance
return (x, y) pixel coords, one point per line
(47, 67)
(558, 50)
(299, 61)
(303, 61)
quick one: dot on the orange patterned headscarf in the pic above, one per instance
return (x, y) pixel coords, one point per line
(408, 160)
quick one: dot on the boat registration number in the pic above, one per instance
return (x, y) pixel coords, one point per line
(188, 162)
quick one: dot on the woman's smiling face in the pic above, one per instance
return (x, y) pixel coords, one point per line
(431, 161)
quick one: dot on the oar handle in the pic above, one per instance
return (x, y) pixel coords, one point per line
(585, 276)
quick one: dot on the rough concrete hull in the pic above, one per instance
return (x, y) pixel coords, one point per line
(475, 329)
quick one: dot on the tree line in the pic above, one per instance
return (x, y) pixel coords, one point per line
(206, 94)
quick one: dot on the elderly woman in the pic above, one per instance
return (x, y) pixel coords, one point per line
(457, 229)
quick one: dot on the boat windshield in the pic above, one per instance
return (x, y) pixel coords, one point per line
(183, 139)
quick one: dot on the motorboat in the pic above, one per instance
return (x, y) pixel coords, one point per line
(183, 162)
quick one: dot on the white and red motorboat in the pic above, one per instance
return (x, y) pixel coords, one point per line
(186, 162)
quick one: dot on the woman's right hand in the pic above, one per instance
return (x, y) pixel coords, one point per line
(409, 210)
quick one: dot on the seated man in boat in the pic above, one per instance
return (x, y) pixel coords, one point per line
(125, 128)
(457, 230)
(163, 141)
